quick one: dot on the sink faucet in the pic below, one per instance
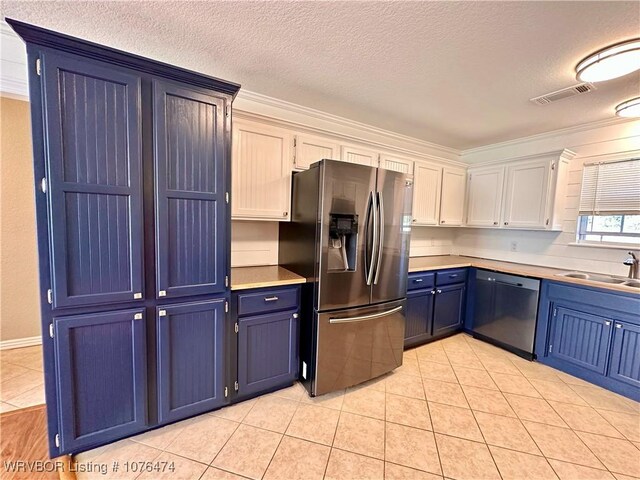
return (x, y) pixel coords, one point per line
(634, 265)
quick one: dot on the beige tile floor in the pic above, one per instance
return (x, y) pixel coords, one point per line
(457, 408)
(21, 378)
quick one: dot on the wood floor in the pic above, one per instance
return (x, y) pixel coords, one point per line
(24, 437)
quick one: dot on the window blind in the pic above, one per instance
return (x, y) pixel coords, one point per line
(611, 188)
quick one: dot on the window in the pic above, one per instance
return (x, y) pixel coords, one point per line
(609, 211)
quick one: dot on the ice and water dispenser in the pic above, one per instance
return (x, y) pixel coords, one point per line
(343, 241)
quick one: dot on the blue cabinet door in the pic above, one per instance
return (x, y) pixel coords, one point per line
(101, 377)
(448, 311)
(267, 351)
(190, 167)
(418, 317)
(191, 359)
(580, 338)
(625, 353)
(93, 149)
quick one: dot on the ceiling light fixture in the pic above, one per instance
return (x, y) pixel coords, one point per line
(630, 108)
(611, 62)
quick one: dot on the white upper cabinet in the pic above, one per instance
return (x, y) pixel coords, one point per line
(427, 185)
(261, 171)
(396, 163)
(526, 193)
(309, 149)
(361, 156)
(454, 181)
(484, 196)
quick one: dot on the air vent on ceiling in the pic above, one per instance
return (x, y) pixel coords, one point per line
(564, 93)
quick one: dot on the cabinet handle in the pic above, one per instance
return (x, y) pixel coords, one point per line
(439, 291)
(413, 221)
(495, 223)
(441, 221)
(295, 315)
(506, 223)
(433, 292)
(453, 275)
(271, 299)
(418, 280)
(284, 214)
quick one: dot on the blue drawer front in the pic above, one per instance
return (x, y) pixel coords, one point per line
(449, 277)
(421, 280)
(267, 301)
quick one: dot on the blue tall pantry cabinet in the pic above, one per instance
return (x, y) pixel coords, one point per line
(132, 174)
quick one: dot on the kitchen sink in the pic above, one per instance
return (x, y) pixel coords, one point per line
(594, 277)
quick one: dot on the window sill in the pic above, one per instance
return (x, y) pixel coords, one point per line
(609, 246)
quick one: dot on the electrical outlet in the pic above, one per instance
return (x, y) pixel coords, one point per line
(514, 246)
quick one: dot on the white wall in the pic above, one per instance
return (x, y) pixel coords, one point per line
(617, 140)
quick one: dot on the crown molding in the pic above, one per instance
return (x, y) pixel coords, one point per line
(561, 154)
(344, 122)
(546, 135)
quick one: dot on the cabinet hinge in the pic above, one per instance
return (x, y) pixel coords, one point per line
(49, 297)
(226, 307)
(227, 110)
(56, 439)
(226, 280)
(236, 328)
(553, 166)
(236, 386)
(295, 141)
(555, 312)
(38, 67)
(51, 330)
(226, 197)
(550, 348)
(226, 392)
(43, 185)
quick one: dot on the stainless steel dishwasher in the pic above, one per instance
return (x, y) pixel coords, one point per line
(506, 310)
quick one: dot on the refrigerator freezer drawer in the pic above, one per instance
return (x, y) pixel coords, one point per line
(357, 344)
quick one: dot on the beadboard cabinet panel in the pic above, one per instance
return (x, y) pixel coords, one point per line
(359, 155)
(454, 183)
(190, 195)
(427, 186)
(526, 194)
(191, 358)
(101, 374)
(310, 149)
(484, 198)
(396, 163)
(261, 171)
(625, 355)
(94, 181)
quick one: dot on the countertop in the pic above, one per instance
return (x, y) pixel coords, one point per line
(243, 278)
(421, 264)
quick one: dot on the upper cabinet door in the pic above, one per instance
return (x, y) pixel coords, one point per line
(261, 174)
(309, 149)
(361, 156)
(427, 185)
(485, 196)
(526, 194)
(397, 164)
(93, 131)
(190, 164)
(454, 183)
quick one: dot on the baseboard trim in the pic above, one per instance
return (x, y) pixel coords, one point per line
(20, 342)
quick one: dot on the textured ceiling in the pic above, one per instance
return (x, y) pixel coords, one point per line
(455, 73)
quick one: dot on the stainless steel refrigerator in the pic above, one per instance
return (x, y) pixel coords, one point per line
(349, 236)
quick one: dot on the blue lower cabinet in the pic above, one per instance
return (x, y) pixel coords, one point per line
(448, 311)
(267, 351)
(580, 338)
(625, 354)
(101, 377)
(191, 358)
(418, 317)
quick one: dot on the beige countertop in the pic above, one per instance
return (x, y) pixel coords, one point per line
(421, 264)
(243, 278)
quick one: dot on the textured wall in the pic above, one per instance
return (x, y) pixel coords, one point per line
(19, 307)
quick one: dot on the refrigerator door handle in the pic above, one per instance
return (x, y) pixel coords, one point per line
(367, 233)
(380, 214)
(376, 238)
(362, 318)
